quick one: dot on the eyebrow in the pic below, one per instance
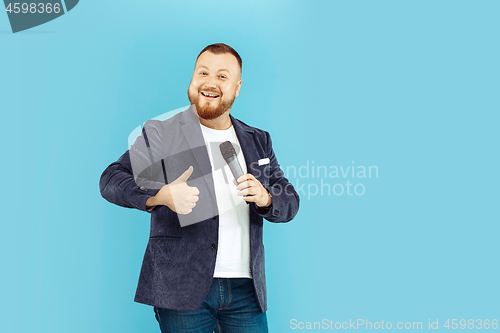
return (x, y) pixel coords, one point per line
(220, 70)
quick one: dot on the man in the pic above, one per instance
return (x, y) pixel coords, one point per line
(203, 269)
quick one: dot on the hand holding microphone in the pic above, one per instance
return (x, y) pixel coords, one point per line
(247, 185)
(253, 191)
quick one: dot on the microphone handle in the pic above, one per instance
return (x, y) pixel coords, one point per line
(235, 168)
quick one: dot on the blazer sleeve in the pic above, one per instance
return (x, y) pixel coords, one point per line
(285, 200)
(134, 177)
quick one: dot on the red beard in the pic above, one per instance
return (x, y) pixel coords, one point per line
(208, 111)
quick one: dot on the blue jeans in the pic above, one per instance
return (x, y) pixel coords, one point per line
(230, 307)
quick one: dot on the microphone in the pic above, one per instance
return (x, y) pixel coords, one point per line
(229, 154)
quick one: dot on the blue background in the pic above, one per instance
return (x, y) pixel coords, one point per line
(411, 87)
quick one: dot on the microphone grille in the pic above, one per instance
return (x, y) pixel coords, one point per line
(227, 149)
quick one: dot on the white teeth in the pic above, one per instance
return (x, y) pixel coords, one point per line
(209, 95)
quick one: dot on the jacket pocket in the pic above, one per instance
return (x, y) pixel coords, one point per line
(165, 250)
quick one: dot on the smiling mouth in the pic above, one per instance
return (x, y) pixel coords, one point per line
(209, 95)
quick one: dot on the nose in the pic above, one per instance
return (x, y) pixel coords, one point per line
(210, 82)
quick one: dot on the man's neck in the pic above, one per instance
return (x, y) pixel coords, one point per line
(220, 123)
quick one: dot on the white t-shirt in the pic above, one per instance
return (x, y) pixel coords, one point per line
(233, 254)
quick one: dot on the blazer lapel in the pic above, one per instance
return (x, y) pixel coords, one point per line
(194, 137)
(195, 140)
(247, 143)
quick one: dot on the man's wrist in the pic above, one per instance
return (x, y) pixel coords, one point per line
(269, 201)
(267, 208)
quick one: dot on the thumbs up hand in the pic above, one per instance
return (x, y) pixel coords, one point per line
(178, 195)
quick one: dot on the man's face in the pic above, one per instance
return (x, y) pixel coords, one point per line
(215, 84)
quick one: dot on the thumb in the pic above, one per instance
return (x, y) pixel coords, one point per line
(185, 176)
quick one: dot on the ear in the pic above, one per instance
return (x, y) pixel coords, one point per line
(238, 86)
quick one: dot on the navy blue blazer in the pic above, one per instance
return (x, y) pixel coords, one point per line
(179, 260)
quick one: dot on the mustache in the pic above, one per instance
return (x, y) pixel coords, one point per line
(210, 90)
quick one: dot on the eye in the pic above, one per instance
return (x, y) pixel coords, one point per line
(203, 73)
(222, 76)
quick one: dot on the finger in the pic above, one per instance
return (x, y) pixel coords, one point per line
(242, 178)
(185, 176)
(195, 191)
(196, 198)
(235, 182)
(250, 183)
(250, 176)
(242, 186)
(248, 191)
(254, 181)
(250, 198)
